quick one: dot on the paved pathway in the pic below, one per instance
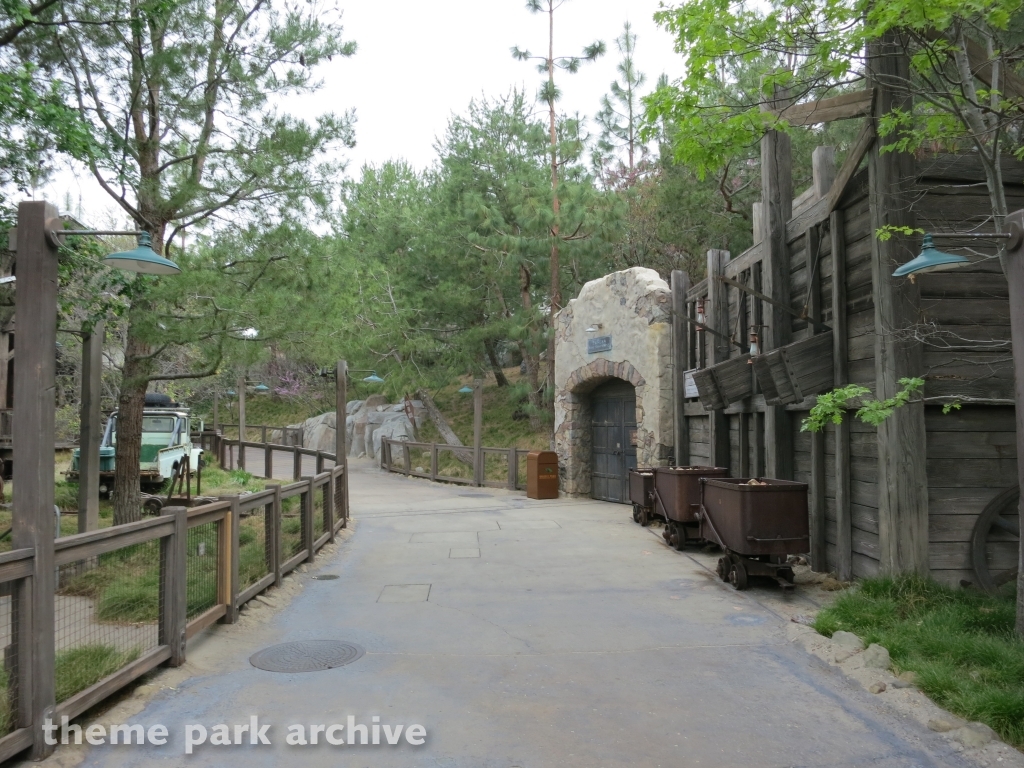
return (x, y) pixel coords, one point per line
(542, 633)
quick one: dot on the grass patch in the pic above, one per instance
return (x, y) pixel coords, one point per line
(78, 668)
(960, 643)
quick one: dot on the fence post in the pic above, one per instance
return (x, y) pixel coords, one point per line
(275, 534)
(329, 491)
(174, 580)
(227, 560)
(513, 469)
(308, 506)
(263, 433)
(478, 427)
(319, 462)
(241, 422)
(268, 461)
(407, 458)
(433, 462)
(296, 464)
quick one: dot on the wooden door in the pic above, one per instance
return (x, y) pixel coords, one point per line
(613, 440)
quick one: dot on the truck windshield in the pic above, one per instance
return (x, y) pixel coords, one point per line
(152, 424)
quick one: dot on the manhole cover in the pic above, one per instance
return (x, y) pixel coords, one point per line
(306, 656)
(326, 576)
(477, 495)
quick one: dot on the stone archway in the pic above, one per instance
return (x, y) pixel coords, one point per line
(573, 433)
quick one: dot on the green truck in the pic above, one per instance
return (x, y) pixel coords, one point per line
(166, 438)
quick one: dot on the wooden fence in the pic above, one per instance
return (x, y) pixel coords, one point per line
(514, 460)
(199, 565)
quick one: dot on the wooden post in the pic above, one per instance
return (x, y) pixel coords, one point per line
(478, 430)
(902, 473)
(329, 491)
(777, 209)
(216, 411)
(227, 559)
(1015, 277)
(241, 422)
(319, 462)
(841, 375)
(341, 430)
(268, 461)
(513, 469)
(744, 468)
(92, 430)
(816, 491)
(308, 534)
(719, 352)
(433, 461)
(823, 170)
(173, 588)
(296, 463)
(406, 459)
(680, 359)
(275, 533)
(35, 342)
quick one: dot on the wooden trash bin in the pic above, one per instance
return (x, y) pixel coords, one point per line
(542, 475)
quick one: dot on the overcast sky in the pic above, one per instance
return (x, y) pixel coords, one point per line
(419, 62)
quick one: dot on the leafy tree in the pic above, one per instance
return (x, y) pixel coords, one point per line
(180, 95)
(549, 95)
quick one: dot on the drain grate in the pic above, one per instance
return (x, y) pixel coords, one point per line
(306, 656)
(326, 576)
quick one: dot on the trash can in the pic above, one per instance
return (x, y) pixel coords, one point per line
(542, 475)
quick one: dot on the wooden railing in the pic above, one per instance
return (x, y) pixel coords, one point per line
(289, 435)
(511, 457)
(194, 562)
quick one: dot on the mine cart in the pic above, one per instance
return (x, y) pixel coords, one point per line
(677, 499)
(641, 493)
(758, 523)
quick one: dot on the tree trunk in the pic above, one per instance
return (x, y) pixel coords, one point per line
(132, 401)
(492, 356)
(533, 377)
(450, 438)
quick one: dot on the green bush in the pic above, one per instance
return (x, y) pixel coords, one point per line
(960, 643)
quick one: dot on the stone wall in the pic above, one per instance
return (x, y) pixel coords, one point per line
(633, 308)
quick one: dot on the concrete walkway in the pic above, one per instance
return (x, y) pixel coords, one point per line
(529, 633)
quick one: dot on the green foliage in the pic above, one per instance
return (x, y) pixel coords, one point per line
(832, 406)
(78, 668)
(960, 643)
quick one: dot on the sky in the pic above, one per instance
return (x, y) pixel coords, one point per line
(418, 63)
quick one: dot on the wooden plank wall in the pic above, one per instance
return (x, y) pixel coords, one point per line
(971, 453)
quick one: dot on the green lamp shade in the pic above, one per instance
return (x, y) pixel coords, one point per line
(143, 259)
(931, 259)
(466, 391)
(373, 378)
(261, 388)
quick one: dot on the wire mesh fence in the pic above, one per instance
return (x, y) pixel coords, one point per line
(107, 611)
(319, 505)
(254, 558)
(201, 569)
(291, 526)
(9, 670)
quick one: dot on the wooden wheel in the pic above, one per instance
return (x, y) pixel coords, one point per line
(995, 523)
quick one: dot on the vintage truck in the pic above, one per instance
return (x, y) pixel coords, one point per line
(166, 438)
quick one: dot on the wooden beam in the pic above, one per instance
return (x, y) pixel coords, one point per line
(816, 491)
(784, 307)
(902, 473)
(340, 440)
(718, 353)
(777, 202)
(842, 107)
(92, 430)
(240, 388)
(478, 429)
(841, 374)
(680, 356)
(34, 408)
(865, 139)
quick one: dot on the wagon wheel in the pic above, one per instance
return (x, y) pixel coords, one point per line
(994, 518)
(645, 518)
(724, 566)
(636, 514)
(680, 541)
(738, 576)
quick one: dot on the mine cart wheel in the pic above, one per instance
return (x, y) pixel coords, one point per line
(724, 566)
(669, 533)
(645, 517)
(636, 514)
(995, 523)
(680, 541)
(738, 576)
(787, 574)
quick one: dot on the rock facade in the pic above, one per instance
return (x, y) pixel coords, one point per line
(633, 307)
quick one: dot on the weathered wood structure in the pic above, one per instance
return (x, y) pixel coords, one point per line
(818, 292)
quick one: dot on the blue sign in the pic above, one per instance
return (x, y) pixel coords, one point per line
(599, 344)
